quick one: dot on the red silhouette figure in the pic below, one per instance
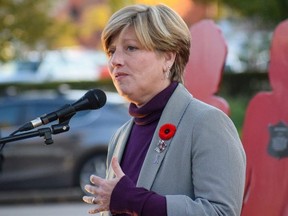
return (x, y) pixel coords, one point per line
(205, 66)
(265, 137)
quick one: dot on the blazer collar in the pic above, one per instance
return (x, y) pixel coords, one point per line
(119, 148)
(180, 99)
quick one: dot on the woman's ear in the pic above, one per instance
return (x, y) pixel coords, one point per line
(169, 58)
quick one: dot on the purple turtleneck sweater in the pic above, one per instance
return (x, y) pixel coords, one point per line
(126, 198)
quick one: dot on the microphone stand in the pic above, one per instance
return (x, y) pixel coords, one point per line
(42, 132)
(46, 133)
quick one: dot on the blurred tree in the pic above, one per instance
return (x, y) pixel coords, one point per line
(26, 24)
(180, 8)
(93, 21)
(268, 12)
(86, 21)
(116, 4)
(255, 18)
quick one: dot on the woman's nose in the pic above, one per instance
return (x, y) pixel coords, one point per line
(116, 59)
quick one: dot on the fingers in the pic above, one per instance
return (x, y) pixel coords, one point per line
(88, 199)
(91, 189)
(116, 168)
(97, 210)
(94, 211)
(102, 189)
(93, 200)
(96, 180)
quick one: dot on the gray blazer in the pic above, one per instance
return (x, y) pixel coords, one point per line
(202, 171)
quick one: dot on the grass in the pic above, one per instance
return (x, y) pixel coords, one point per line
(238, 105)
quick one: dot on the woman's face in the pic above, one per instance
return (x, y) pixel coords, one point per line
(138, 74)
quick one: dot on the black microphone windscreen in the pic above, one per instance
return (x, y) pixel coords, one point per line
(96, 98)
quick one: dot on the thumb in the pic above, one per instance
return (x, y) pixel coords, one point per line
(116, 168)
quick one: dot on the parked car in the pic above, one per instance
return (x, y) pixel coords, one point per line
(71, 65)
(66, 64)
(74, 155)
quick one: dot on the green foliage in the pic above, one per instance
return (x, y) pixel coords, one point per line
(268, 12)
(116, 4)
(244, 84)
(238, 107)
(23, 25)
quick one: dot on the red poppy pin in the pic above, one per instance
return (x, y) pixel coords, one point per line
(166, 132)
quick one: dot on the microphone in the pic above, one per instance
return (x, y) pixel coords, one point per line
(93, 99)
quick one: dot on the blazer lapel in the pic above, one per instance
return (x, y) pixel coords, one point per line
(119, 148)
(170, 115)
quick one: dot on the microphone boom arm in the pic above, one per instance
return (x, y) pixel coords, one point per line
(46, 132)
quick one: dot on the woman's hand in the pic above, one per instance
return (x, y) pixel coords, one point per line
(102, 189)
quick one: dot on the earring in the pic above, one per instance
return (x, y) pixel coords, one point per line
(168, 72)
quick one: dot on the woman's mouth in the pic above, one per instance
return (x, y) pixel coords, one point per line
(120, 75)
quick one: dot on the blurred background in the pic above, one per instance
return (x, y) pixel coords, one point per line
(51, 49)
(46, 43)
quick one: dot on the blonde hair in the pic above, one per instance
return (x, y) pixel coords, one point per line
(158, 28)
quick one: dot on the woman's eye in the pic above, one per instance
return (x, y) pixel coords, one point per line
(110, 52)
(131, 48)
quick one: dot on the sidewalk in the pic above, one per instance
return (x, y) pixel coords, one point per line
(58, 209)
(56, 202)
